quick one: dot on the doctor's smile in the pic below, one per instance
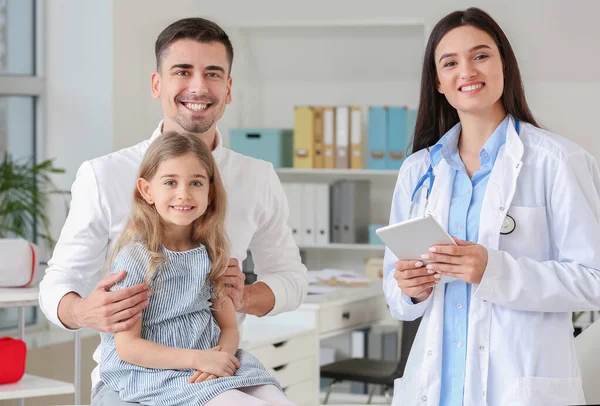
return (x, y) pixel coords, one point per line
(471, 87)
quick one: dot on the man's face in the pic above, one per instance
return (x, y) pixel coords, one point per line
(193, 85)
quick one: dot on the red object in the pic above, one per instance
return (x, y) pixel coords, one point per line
(12, 360)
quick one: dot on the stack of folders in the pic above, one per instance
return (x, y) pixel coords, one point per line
(332, 137)
(390, 132)
(328, 137)
(321, 213)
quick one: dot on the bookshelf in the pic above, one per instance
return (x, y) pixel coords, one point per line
(318, 62)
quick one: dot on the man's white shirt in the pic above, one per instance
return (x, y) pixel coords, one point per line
(257, 217)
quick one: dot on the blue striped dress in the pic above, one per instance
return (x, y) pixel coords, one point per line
(178, 316)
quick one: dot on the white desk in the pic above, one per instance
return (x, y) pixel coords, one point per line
(290, 354)
(340, 311)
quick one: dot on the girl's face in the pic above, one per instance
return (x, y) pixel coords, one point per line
(179, 190)
(470, 70)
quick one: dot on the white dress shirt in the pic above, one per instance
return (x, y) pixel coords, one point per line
(257, 217)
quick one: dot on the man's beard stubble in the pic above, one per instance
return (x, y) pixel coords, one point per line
(198, 125)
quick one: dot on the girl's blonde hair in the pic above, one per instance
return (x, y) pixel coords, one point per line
(147, 226)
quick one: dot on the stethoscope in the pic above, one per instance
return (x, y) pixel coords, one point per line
(508, 225)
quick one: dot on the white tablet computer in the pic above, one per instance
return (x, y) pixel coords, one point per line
(412, 238)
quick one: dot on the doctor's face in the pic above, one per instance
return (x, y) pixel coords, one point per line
(470, 70)
(193, 85)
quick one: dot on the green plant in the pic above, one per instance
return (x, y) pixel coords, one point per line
(24, 186)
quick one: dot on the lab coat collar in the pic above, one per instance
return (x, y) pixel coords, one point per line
(447, 144)
(217, 151)
(514, 145)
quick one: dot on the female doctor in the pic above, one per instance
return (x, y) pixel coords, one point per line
(523, 206)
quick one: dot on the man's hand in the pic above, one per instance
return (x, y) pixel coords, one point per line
(233, 280)
(467, 261)
(109, 311)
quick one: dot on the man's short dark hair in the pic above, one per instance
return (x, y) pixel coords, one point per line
(197, 29)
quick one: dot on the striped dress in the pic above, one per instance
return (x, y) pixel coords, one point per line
(178, 316)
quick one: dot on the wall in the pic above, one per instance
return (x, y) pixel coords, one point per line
(553, 41)
(78, 100)
(100, 56)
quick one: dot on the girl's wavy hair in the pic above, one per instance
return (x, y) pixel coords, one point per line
(145, 224)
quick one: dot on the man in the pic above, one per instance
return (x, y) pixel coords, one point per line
(193, 82)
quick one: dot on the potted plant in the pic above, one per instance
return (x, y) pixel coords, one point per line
(24, 186)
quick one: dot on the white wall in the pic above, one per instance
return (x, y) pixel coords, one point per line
(101, 54)
(78, 70)
(554, 42)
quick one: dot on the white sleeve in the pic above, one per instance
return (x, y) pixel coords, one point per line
(276, 257)
(400, 305)
(80, 252)
(572, 281)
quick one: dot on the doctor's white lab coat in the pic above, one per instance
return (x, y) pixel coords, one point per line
(520, 348)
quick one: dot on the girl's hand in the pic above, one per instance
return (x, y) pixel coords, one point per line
(200, 376)
(414, 280)
(467, 261)
(216, 362)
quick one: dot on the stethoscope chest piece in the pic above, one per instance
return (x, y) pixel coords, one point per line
(508, 225)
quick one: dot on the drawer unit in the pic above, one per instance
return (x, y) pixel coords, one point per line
(303, 393)
(284, 352)
(352, 314)
(295, 371)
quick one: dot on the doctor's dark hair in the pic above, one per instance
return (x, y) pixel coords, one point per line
(145, 225)
(197, 29)
(435, 115)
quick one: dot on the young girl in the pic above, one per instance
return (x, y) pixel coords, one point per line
(184, 350)
(523, 205)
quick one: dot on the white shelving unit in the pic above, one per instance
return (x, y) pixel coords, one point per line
(369, 62)
(33, 386)
(365, 248)
(387, 177)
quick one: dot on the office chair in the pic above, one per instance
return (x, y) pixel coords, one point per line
(373, 371)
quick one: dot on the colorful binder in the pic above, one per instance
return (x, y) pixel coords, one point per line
(377, 137)
(356, 156)
(304, 137)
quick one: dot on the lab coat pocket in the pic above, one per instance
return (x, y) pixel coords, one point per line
(529, 236)
(534, 391)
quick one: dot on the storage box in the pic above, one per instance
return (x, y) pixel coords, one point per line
(272, 145)
(373, 237)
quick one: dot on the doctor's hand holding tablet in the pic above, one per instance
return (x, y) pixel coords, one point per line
(428, 255)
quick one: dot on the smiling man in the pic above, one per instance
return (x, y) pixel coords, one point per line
(193, 83)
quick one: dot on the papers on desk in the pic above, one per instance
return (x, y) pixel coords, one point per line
(319, 289)
(336, 277)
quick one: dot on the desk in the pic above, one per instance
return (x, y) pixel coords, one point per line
(340, 311)
(289, 352)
